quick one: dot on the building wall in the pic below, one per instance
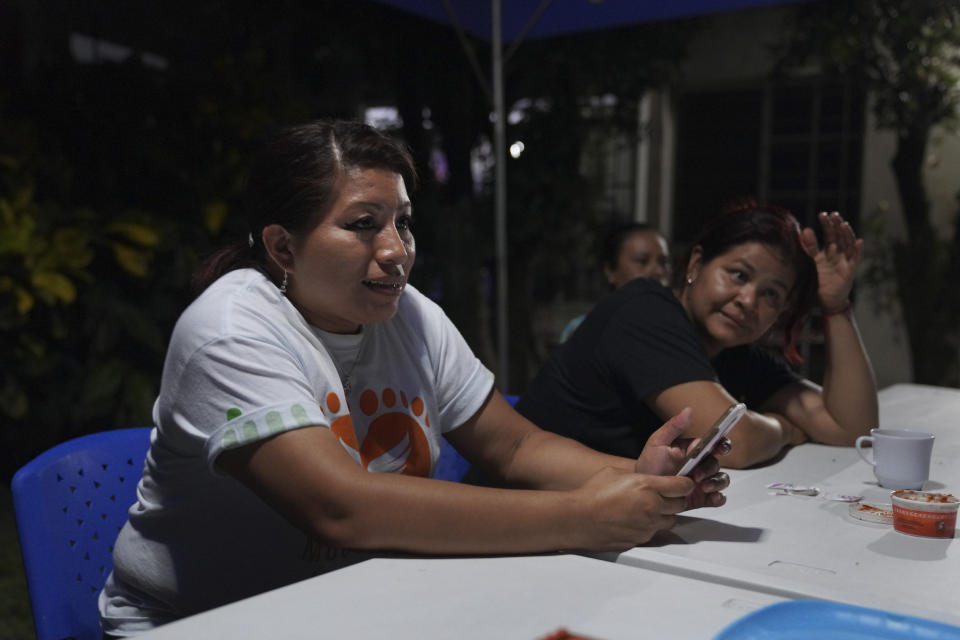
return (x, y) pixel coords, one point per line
(943, 177)
(883, 333)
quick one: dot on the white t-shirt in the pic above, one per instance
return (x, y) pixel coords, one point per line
(244, 365)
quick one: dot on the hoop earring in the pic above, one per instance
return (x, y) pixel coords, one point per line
(283, 285)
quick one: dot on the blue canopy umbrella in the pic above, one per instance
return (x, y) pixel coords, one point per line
(512, 22)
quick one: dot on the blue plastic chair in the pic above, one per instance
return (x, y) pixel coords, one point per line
(453, 466)
(70, 502)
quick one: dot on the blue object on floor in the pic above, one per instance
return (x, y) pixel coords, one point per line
(70, 502)
(814, 619)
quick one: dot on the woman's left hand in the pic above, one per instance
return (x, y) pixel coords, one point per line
(666, 450)
(836, 262)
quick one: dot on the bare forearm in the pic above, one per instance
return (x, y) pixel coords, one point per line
(516, 453)
(849, 386)
(545, 460)
(613, 510)
(308, 478)
(305, 475)
(429, 516)
(757, 438)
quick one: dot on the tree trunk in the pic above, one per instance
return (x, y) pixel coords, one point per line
(907, 165)
(929, 310)
(923, 271)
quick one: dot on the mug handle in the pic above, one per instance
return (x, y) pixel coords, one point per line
(858, 444)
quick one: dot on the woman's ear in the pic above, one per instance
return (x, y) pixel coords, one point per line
(277, 241)
(608, 274)
(694, 264)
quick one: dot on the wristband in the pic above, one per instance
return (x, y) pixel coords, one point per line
(841, 311)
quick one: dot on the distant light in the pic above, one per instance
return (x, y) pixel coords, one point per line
(383, 117)
(516, 149)
(89, 50)
(518, 112)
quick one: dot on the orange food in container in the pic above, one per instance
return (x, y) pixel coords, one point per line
(922, 513)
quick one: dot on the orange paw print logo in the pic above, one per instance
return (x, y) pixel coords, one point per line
(342, 424)
(395, 439)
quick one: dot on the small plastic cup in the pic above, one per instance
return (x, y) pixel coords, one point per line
(926, 514)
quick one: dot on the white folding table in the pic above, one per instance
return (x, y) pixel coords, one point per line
(517, 597)
(813, 548)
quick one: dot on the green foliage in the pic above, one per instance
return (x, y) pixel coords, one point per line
(117, 176)
(579, 96)
(52, 255)
(114, 179)
(905, 51)
(16, 620)
(923, 273)
(577, 104)
(43, 253)
(907, 54)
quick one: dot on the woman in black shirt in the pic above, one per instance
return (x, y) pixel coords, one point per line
(646, 351)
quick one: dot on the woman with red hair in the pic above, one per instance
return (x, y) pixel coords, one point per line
(648, 350)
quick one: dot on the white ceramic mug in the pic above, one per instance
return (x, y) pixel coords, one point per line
(901, 459)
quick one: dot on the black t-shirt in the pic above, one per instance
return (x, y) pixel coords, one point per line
(637, 342)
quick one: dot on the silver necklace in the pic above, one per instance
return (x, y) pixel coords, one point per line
(345, 377)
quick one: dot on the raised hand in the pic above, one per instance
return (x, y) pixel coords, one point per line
(836, 262)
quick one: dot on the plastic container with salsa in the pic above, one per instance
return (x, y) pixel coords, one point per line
(922, 513)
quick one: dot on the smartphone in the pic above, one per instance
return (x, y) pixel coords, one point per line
(710, 439)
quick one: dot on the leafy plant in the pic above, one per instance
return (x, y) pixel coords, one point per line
(51, 256)
(907, 54)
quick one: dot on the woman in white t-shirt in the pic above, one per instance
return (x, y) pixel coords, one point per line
(308, 362)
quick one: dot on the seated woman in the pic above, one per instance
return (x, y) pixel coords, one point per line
(645, 350)
(304, 395)
(633, 250)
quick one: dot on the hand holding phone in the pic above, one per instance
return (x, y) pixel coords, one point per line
(710, 439)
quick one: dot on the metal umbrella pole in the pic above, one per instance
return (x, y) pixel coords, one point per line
(500, 201)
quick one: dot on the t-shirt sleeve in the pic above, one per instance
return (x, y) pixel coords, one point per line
(651, 346)
(235, 390)
(752, 374)
(462, 381)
